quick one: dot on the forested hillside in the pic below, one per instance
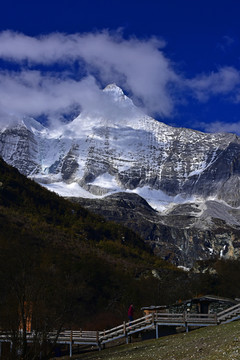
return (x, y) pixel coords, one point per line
(102, 266)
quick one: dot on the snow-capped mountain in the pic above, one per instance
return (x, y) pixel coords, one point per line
(125, 150)
(115, 148)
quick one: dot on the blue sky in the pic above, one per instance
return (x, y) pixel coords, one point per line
(179, 60)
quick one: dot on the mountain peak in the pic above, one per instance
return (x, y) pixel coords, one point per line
(115, 91)
(117, 94)
(115, 88)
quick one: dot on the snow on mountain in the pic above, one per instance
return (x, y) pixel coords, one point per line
(117, 93)
(116, 147)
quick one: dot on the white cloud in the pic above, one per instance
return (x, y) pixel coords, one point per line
(139, 66)
(31, 93)
(220, 127)
(223, 82)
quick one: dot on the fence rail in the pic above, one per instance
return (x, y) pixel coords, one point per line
(229, 313)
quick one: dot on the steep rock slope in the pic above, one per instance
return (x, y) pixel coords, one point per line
(185, 234)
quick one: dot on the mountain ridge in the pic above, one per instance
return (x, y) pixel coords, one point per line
(115, 148)
(136, 153)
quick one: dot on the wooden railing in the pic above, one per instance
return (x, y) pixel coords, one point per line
(127, 328)
(205, 319)
(185, 318)
(151, 321)
(154, 319)
(79, 336)
(170, 318)
(229, 313)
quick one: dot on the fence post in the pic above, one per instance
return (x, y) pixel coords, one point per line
(125, 332)
(153, 318)
(70, 345)
(124, 328)
(185, 319)
(98, 341)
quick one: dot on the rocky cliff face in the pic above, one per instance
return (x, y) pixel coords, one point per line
(123, 150)
(18, 147)
(186, 233)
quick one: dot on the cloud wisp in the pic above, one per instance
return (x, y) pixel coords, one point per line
(46, 80)
(220, 127)
(224, 82)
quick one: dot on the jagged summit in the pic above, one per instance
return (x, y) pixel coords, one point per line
(115, 91)
(114, 88)
(117, 94)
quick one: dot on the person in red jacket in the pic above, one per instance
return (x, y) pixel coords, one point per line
(130, 312)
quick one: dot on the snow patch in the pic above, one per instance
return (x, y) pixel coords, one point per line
(184, 268)
(67, 190)
(222, 251)
(159, 200)
(211, 251)
(107, 181)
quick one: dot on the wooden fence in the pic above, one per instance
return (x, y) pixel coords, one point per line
(125, 330)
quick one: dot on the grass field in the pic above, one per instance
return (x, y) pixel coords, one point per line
(212, 343)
